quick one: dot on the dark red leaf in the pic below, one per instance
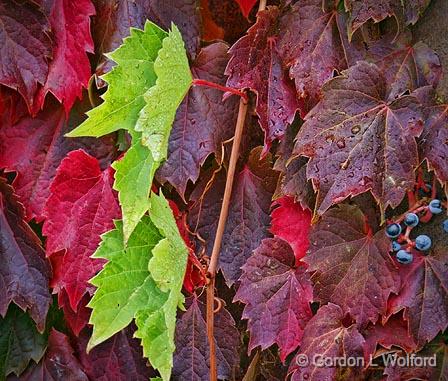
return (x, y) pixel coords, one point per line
(80, 208)
(24, 271)
(352, 267)
(292, 223)
(248, 219)
(424, 291)
(191, 359)
(358, 139)
(119, 358)
(59, 363)
(256, 65)
(203, 121)
(76, 320)
(26, 48)
(34, 148)
(277, 295)
(246, 6)
(326, 337)
(69, 71)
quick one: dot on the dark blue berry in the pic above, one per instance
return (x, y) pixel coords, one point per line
(404, 257)
(393, 230)
(395, 246)
(423, 242)
(435, 206)
(411, 219)
(445, 225)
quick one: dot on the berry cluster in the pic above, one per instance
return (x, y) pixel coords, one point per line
(402, 244)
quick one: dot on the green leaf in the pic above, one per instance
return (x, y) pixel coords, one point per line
(128, 81)
(133, 178)
(124, 285)
(162, 100)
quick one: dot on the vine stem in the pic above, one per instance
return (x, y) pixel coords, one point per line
(211, 274)
(213, 85)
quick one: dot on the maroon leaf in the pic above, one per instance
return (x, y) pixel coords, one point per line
(256, 64)
(352, 267)
(26, 47)
(313, 42)
(76, 320)
(24, 271)
(115, 17)
(80, 208)
(120, 358)
(59, 363)
(191, 359)
(326, 337)
(292, 223)
(277, 294)
(203, 121)
(358, 139)
(248, 219)
(34, 148)
(69, 71)
(424, 291)
(434, 141)
(393, 333)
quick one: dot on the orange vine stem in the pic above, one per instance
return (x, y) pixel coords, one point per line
(213, 85)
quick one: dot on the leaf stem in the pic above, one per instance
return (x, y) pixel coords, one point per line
(213, 85)
(219, 234)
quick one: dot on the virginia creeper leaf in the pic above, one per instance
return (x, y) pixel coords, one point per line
(277, 294)
(69, 70)
(26, 48)
(246, 6)
(75, 320)
(352, 266)
(256, 64)
(80, 208)
(119, 358)
(34, 148)
(58, 363)
(203, 121)
(19, 342)
(191, 359)
(133, 178)
(24, 271)
(128, 81)
(358, 139)
(327, 337)
(292, 223)
(424, 291)
(162, 100)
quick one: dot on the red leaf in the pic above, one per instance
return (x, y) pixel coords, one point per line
(69, 71)
(34, 148)
(24, 271)
(191, 359)
(26, 48)
(203, 121)
(292, 223)
(369, 144)
(424, 291)
(76, 320)
(277, 295)
(80, 208)
(59, 363)
(119, 358)
(246, 6)
(326, 337)
(256, 64)
(352, 267)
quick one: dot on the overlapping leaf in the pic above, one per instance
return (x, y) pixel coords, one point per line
(34, 148)
(203, 121)
(351, 266)
(191, 359)
(81, 207)
(24, 271)
(256, 64)
(277, 294)
(358, 139)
